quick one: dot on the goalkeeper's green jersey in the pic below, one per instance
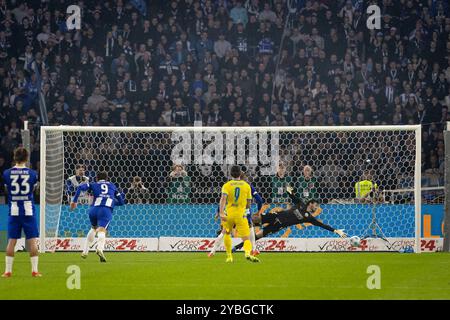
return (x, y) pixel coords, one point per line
(179, 190)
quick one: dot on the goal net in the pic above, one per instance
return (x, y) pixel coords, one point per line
(172, 178)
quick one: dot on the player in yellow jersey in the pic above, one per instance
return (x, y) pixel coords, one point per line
(236, 199)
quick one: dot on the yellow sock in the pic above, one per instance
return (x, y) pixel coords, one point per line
(228, 243)
(247, 247)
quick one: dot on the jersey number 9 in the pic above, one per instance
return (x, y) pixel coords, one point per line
(104, 188)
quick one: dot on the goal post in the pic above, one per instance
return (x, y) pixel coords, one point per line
(171, 177)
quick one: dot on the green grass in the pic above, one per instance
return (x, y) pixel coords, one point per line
(194, 276)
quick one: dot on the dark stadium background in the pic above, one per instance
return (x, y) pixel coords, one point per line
(173, 63)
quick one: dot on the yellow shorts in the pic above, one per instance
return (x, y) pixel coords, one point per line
(238, 221)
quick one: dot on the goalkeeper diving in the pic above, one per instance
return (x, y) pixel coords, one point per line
(299, 213)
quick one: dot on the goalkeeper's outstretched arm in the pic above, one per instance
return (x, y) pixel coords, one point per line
(322, 225)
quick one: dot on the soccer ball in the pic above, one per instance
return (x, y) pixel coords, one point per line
(355, 241)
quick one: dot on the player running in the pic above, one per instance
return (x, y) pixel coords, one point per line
(20, 182)
(259, 203)
(236, 198)
(106, 196)
(300, 213)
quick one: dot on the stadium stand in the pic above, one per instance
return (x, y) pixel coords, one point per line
(226, 63)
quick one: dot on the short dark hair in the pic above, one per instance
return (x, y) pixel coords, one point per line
(235, 171)
(102, 175)
(20, 155)
(311, 201)
(80, 165)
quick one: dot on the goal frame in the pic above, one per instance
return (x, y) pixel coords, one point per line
(415, 128)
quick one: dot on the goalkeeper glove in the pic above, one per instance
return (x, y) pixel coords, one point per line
(289, 189)
(341, 233)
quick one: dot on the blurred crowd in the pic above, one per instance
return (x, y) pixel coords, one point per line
(226, 63)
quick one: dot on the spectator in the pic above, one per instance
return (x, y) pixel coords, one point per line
(179, 185)
(222, 46)
(278, 185)
(168, 67)
(239, 14)
(96, 99)
(120, 100)
(307, 186)
(137, 193)
(204, 44)
(180, 115)
(267, 14)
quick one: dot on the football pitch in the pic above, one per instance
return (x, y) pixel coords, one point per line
(183, 276)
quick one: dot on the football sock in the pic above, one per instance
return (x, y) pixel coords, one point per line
(228, 243)
(217, 243)
(9, 263)
(34, 263)
(101, 240)
(252, 237)
(89, 239)
(247, 247)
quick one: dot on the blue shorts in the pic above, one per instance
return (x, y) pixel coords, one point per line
(100, 216)
(26, 223)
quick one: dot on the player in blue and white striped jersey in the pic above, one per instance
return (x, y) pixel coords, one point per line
(105, 197)
(20, 182)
